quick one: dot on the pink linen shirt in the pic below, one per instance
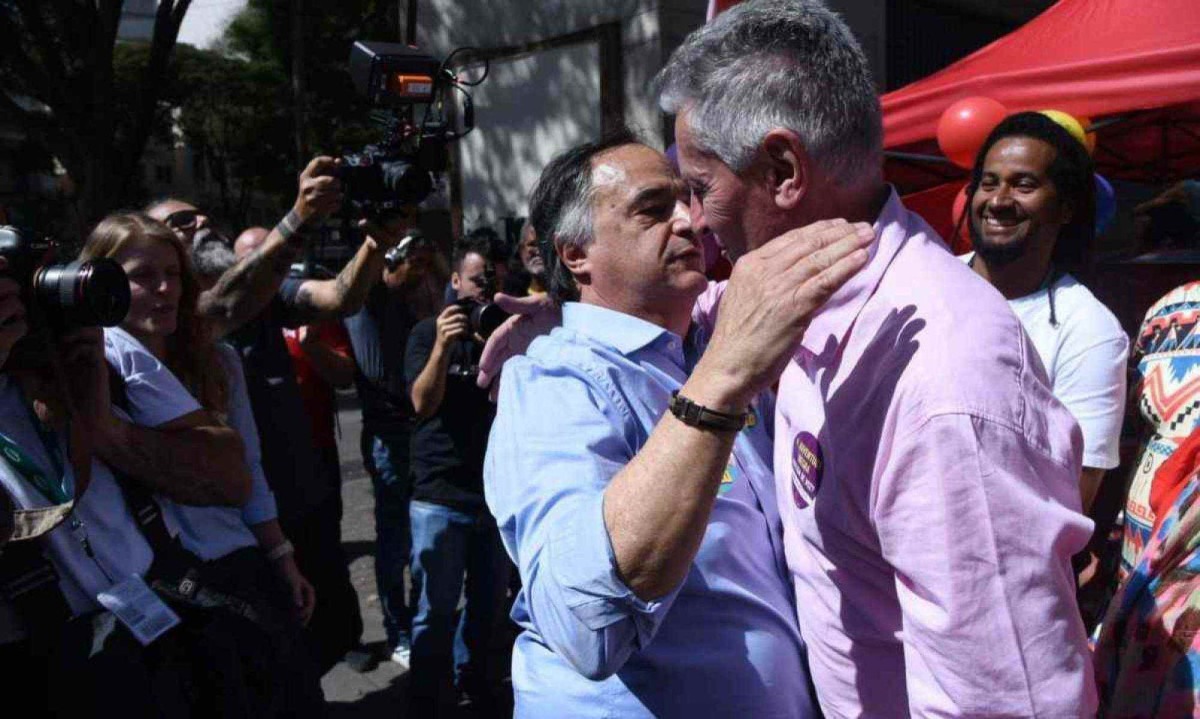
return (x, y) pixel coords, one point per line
(928, 483)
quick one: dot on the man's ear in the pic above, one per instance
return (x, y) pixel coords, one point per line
(455, 281)
(786, 167)
(575, 259)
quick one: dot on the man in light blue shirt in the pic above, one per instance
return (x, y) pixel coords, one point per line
(648, 540)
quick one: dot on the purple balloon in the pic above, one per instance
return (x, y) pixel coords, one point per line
(1106, 204)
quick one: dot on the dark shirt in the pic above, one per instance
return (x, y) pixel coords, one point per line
(283, 428)
(379, 335)
(448, 446)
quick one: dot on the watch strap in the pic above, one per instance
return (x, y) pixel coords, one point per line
(697, 415)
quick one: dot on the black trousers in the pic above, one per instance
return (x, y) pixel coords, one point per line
(336, 625)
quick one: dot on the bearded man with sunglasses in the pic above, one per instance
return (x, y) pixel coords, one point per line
(249, 299)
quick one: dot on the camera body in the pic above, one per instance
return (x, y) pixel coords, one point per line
(482, 317)
(385, 177)
(400, 253)
(91, 293)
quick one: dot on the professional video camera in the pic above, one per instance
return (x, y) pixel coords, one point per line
(91, 293)
(395, 173)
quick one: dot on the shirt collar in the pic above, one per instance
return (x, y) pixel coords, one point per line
(834, 318)
(624, 333)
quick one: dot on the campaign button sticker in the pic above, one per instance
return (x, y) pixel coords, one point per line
(729, 478)
(807, 465)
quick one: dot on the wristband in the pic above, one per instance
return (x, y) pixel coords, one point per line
(281, 550)
(696, 415)
(290, 226)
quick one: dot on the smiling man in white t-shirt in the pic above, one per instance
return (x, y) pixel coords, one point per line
(1032, 205)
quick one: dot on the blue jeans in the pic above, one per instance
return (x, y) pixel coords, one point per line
(446, 543)
(386, 458)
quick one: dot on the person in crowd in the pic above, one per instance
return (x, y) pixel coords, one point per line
(498, 255)
(324, 362)
(409, 292)
(527, 271)
(1149, 645)
(249, 299)
(637, 502)
(1167, 392)
(451, 528)
(1032, 219)
(174, 371)
(66, 601)
(923, 468)
(47, 463)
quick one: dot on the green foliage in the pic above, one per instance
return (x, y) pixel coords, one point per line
(336, 118)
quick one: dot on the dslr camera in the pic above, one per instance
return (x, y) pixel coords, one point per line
(483, 316)
(57, 297)
(396, 79)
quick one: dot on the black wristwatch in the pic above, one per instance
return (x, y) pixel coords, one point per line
(697, 415)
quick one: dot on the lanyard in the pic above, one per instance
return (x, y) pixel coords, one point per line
(55, 492)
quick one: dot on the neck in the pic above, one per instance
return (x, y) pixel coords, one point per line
(157, 344)
(862, 202)
(674, 316)
(1021, 277)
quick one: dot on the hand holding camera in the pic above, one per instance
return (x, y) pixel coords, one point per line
(320, 193)
(453, 324)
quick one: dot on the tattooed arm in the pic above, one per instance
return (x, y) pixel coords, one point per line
(247, 287)
(324, 300)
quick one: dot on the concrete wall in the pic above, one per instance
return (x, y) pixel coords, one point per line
(528, 109)
(535, 104)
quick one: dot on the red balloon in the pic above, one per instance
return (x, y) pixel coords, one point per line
(965, 125)
(960, 243)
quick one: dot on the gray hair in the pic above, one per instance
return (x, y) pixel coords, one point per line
(777, 63)
(560, 208)
(211, 255)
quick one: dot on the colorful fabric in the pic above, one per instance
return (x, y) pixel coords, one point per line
(1167, 391)
(1148, 657)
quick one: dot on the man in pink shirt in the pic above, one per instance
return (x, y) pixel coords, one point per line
(926, 477)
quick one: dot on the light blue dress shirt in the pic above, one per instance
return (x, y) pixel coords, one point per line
(572, 412)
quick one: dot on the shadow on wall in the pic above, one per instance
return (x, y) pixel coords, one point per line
(527, 110)
(531, 107)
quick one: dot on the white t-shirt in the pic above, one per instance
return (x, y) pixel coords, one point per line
(1085, 355)
(103, 517)
(155, 397)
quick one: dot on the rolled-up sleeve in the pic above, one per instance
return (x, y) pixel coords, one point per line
(979, 525)
(559, 438)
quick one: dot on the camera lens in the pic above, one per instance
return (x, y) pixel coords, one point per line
(405, 181)
(485, 318)
(94, 293)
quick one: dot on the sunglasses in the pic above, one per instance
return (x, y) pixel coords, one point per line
(181, 219)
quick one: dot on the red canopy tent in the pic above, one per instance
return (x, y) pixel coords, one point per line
(1131, 66)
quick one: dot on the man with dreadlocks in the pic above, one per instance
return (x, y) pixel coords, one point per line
(1032, 208)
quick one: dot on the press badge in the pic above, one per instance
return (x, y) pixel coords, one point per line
(136, 606)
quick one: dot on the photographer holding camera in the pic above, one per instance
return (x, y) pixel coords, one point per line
(94, 584)
(452, 530)
(50, 586)
(413, 276)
